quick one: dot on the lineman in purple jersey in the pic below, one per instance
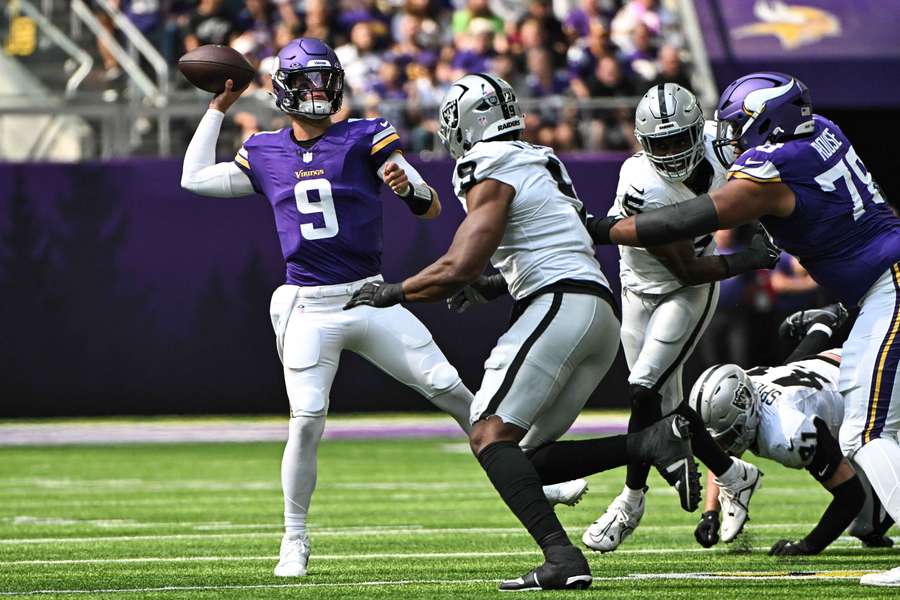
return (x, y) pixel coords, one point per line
(323, 180)
(800, 176)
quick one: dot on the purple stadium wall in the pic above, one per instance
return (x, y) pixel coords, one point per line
(123, 294)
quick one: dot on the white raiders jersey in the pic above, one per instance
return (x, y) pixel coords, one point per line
(641, 189)
(791, 396)
(545, 238)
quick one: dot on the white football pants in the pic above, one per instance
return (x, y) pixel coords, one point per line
(871, 390)
(659, 333)
(545, 367)
(311, 330)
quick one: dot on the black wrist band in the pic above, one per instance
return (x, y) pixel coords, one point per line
(418, 198)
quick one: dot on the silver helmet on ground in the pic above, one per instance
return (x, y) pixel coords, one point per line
(477, 108)
(726, 399)
(668, 123)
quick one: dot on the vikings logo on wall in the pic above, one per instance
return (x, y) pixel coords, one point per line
(793, 25)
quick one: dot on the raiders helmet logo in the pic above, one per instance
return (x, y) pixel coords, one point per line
(740, 398)
(450, 114)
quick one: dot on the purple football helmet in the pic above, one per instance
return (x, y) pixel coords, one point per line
(761, 108)
(307, 79)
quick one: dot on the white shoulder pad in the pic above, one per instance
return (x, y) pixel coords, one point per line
(502, 161)
(639, 188)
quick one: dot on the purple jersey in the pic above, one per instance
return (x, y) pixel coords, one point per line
(325, 197)
(841, 230)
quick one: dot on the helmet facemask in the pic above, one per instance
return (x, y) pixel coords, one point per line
(311, 92)
(674, 153)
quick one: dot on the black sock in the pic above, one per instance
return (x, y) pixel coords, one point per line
(636, 475)
(562, 461)
(646, 409)
(518, 483)
(704, 446)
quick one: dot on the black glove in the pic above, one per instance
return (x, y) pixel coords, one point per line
(599, 229)
(481, 291)
(762, 253)
(378, 294)
(790, 548)
(795, 326)
(707, 531)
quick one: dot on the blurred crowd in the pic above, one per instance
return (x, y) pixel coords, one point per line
(400, 56)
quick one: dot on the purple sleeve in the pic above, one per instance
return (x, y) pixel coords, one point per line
(382, 140)
(242, 160)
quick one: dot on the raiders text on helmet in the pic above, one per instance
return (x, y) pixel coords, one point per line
(477, 108)
(668, 123)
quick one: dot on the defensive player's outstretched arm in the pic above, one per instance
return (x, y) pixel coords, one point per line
(409, 185)
(200, 172)
(737, 202)
(679, 258)
(476, 239)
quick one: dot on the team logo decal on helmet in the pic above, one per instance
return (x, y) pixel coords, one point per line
(728, 402)
(450, 113)
(477, 108)
(762, 108)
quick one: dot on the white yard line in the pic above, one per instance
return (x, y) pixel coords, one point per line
(337, 532)
(272, 586)
(373, 556)
(733, 576)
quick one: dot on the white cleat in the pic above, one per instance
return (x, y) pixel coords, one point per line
(620, 519)
(569, 493)
(887, 578)
(293, 558)
(735, 499)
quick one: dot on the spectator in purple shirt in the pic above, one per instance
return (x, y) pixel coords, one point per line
(543, 79)
(577, 23)
(475, 56)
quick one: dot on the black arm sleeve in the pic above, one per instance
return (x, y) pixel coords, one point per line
(681, 221)
(828, 455)
(812, 343)
(845, 505)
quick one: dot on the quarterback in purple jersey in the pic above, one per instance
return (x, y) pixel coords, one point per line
(323, 180)
(799, 175)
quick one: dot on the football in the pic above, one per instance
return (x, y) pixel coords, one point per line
(209, 67)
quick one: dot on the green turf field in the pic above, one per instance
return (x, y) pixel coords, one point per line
(392, 519)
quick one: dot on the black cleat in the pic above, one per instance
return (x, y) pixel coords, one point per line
(665, 444)
(565, 569)
(876, 540)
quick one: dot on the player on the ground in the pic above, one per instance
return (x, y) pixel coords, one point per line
(798, 173)
(792, 415)
(524, 215)
(323, 179)
(670, 292)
